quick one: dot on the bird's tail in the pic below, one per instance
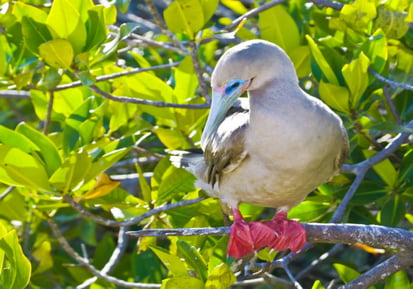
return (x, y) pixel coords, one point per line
(187, 159)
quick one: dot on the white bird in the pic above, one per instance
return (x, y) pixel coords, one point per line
(271, 151)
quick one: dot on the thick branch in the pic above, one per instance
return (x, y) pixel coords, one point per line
(372, 235)
(380, 272)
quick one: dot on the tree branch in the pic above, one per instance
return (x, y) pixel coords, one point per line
(113, 260)
(372, 235)
(72, 253)
(133, 221)
(380, 272)
(125, 99)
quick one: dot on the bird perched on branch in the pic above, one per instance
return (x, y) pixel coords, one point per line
(271, 149)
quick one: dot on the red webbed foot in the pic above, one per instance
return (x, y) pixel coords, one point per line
(290, 234)
(245, 238)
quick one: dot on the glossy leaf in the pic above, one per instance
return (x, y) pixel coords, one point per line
(308, 211)
(356, 77)
(182, 282)
(47, 149)
(397, 280)
(335, 96)
(346, 273)
(220, 277)
(174, 264)
(175, 181)
(277, 26)
(392, 212)
(193, 258)
(72, 172)
(103, 186)
(64, 22)
(21, 169)
(57, 53)
(15, 139)
(322, 62)
(18, 271)
(384, 169)
(184, 16)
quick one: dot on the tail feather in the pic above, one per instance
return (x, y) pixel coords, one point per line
(186, 159)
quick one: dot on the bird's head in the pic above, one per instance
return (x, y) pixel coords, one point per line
(245, 67)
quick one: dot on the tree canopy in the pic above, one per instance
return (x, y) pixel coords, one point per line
(94, 93)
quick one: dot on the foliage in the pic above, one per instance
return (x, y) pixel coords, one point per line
(84, 91)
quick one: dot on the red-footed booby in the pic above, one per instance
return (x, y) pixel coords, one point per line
(272, 151)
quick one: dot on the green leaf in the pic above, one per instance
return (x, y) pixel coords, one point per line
(173, 263)
(17, 140)
(57, 53)
(393, 23)
(20, 169)
(392, 212)
(397, 280)
(184, 16)
(193, 258)
(300, 56)
(277, 25)
(174, 181)
(335, 96)
(346, 273)
(17, 274)
(96, 27)
(384, 169)
(356, 77)
(359, 14)
(321, 61)
(105, 162)
(182, 282)
(376, 49)
(143, 184)
(72, 172)
(48, 150)
(221, 277)
(21, 10)
(309, 210)
(64, 22)
(317, 285)
(34, 33)
(208, 7)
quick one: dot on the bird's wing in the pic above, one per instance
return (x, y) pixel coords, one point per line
(226, 151)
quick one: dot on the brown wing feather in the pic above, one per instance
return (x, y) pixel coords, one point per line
(226, 150)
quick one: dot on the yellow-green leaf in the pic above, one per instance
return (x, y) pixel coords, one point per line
(334, 96)
(221, 277)
(277, 26)
(57, 53)
(182, 282)
(321, 61)
(184, 16)
(356, 77)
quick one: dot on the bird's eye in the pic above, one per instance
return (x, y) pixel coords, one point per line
(233, 85)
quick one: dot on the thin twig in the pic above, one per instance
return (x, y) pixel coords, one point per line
(198, 71)
(336, 248)
(252, 13)
(114, 258)
(133, 221)
(159, 21)
(392, 107)
(392, 83)
(72, 253)
(116, 75)
(49, 113)
(6, 192)
(125, 99)
(15, 94)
